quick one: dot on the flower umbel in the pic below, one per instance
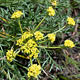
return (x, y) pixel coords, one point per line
(34, 70)
(69, 43)
(70, 21)
(51, 37)
(19, 42)
(30, 48)
(17, 14)
(34, 52)
(38, 35)
(10, 54)
(51, 11)
(24, 36)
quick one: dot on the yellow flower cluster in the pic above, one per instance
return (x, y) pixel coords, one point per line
(70, 21)
(19, 42)
(54, 3)
(10, 54)
(69, 43)
(51, 37)
(17, 14)
(24, 36)
(34, 70)
(30, 48)
(34, 52)
(38, 35)
(51, 11)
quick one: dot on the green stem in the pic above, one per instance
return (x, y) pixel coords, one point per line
(22, 56)
(3, 33)
(50, 47)
(42, 41)
(20, 26)
(38, 61)
(39, 24)
(22, 66)
(31, 61)
(28, 78)
(59, 29)
(77, 47)
(10, 66)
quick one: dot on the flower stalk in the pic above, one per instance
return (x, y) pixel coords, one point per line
(20, 26)
(39, 24)
(59, 29)
(49, 47)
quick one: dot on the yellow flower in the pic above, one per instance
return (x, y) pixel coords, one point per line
(54, 3)
(51, 11)
(31, 43)
(10, 55)
(51, 37)
(19, 42)
(69, 43)
(17, 14)
(34, 52)
(30, 48)
(24, 36)
(34, 70)
(26, 48)
(38, 35)
(70, 21)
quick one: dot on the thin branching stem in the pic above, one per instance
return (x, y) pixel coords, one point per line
(20, 26)
(50, 47)
(39, 24)
(21, 66)
(57, 31)
(31, 61)
(22, 56)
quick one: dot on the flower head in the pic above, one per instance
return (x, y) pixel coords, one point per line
(51, 37)
(70, 21)
(17, 14)
(24, 36)
(30, 48)
(34, 52)
(34, 70)
(27, 47)
(19, 42)
(31, 43)
(38, 35)
(10, 55)
(54, 3)
(69, 43)
(51, 11)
